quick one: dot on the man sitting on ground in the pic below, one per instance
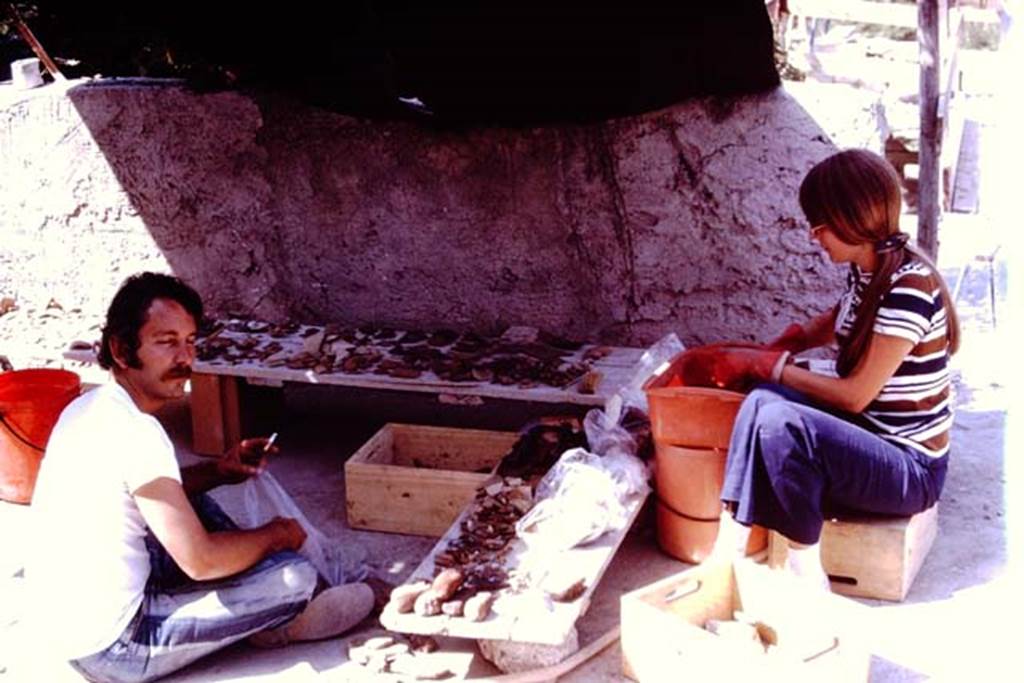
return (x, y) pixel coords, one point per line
(138, 572)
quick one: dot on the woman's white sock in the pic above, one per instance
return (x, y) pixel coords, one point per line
(732, 537)
(805, 562)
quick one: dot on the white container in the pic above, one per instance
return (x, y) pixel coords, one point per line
(25, 73)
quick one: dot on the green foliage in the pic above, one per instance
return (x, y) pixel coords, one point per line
(28, 11)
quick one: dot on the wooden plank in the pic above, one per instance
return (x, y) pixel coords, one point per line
(526, 616)
(415, 479)
(888, 14)
(966, 179)
(613, 378)
(862, 11)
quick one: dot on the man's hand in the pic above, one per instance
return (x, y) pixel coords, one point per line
(288, 534)
(246, 459)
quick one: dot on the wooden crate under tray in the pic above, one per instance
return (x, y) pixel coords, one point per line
(415, 479)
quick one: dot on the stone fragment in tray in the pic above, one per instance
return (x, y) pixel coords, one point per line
(442, 337)
(596, 353)
(469, 571)
(359, 359)
(410, 656)
(215, 347)
(246, 326)
(396, 368)
(523, 358)
(539, 446)
(284, 329)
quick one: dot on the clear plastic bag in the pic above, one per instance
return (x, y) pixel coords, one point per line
(589, 492)
(263, 498)
(616, 448)
(604, 433)
(578, 503)
(651, 361)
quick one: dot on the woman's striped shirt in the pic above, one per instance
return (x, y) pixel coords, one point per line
(914, 406)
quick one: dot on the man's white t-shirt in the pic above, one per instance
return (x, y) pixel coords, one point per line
(89, 565)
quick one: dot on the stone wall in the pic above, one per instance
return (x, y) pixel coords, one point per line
(684, 219)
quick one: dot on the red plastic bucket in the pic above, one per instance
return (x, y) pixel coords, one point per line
(30, 403)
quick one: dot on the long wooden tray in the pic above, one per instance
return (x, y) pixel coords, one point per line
(523, 617)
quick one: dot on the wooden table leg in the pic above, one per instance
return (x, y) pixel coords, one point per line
(216, 422)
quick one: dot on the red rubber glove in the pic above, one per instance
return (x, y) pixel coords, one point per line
(734, 345)
(733, 368)
(793, 339)
(680, 372)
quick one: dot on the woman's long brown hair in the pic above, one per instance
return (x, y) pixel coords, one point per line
(857, 194)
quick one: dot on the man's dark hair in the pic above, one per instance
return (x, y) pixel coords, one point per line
(130, 307)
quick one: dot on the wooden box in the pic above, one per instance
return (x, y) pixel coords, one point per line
(815, 634)
(413, 479)
(871, 557)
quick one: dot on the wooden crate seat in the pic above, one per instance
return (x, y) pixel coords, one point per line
(870, 557)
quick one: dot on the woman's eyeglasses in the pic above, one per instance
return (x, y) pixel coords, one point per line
(816, 229)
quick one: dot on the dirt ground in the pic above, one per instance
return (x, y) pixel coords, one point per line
(955, 623)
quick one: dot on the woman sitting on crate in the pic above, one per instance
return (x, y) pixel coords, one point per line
(874, 435)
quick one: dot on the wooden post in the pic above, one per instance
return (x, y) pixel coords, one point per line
(929, 179)
(216, 424)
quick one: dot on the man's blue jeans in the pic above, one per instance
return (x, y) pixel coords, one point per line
(181, 620)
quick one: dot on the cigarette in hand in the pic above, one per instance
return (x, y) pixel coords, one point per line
(270, 442)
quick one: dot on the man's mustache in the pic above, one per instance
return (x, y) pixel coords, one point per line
(178, 372)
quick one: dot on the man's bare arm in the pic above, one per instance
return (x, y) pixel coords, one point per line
(205, 555)
(200, 477)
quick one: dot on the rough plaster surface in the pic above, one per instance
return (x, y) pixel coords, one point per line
(684, 219)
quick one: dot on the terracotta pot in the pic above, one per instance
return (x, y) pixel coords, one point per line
(694, 417)
(691, 540)
(689, 480)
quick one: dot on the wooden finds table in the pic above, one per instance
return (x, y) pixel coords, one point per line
(217, 401)
(219, 382)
